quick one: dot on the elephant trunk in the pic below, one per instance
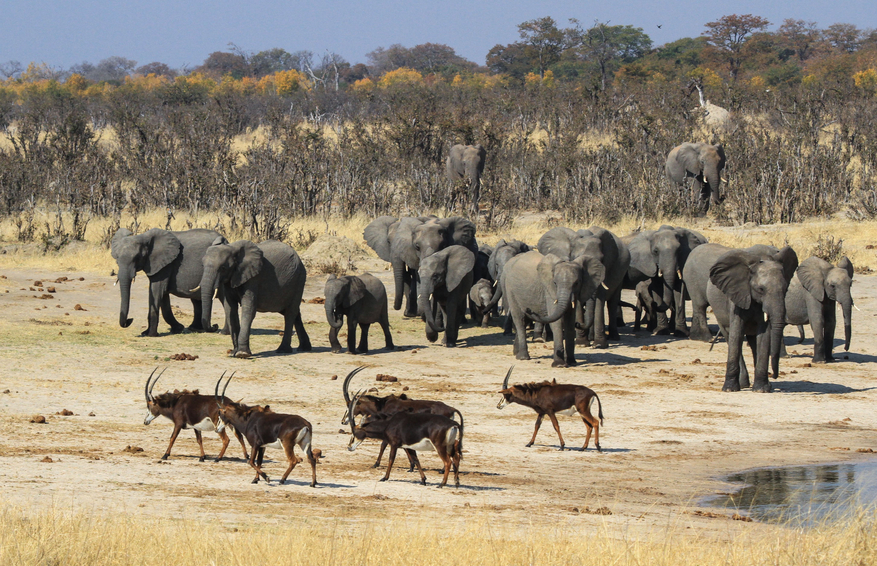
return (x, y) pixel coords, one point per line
(777, 321)
(399, 278)
(335, 321)
(560, 306)
(209, 284)
(125, 279)
(714, 179)
(497, 295)
(425, 304)
(847, 306)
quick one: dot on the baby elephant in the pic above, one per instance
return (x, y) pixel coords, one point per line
(363, 300)
(479, 301)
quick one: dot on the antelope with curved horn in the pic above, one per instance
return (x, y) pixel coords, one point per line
(550, 398)
(263, 429)
(371, 405)
(186, 409)
(413, 432)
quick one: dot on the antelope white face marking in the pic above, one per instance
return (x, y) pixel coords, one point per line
(503, 403)
(276, 444)
(149, 418)
(568, 412)
(354, 442)
(221, 426)
(422, 446)
(205, 426)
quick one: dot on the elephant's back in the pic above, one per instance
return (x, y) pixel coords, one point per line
(283, 275)
(374, 286)
(193, 247)
(796, 302)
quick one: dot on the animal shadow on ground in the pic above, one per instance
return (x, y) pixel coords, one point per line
(273, 353)
(784, 386)
(495, 339)
(566, 448)
(590, 357)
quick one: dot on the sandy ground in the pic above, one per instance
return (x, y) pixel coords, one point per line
(669, 430)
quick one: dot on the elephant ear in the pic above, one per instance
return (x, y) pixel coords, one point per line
(118, 238)
(846, 265)
(731, 275)
(689, 157)
(248, 259)
(545, 271)
(693, 237)
(356, 293)
(463, 232)
(594, 275)
(520, 246)
(219, 241)
(812, 277)
(557, 241)
(376, 235)
(461, 262)
(164, 248)
(720, 151)
(641, 254)
(789, 260)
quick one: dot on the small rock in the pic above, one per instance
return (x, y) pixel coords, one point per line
(6, 392)
(405, 388)
(47, 460)
(650, 348)
(807, 365)
(37, 283)
(38, 419)
(696, 361)
(60, 280)
(317, 301)
(65, 413)
(385, 377)
(132, 449)
(78, 307)
(342, 431)
(82, 278)
(91, 414)
(739, 517)
(334, 377)
(865, 450)
(50, 289)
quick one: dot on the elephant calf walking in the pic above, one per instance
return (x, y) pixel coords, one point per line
(363, 300)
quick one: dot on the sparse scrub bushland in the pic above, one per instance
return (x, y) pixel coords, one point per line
(574, 120)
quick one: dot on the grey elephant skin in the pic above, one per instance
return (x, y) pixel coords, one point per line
(467, 162)
(660, 256)
(745, 287)
(404, 242)
(702, 161)
(814, 293)
(445, 280)
(172, 262)
(604, 246)
(480, 304)
(649, 304)
(268, 277)
(545, 288)
(502, 253)
(363, 300)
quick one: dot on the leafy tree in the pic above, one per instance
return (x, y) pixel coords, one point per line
(277, 59)
(727, 35)
(843, 37)
(800, 37)
(157, 69)
(543, 42)
(425, 58)
(383, 60)
(219, 63)
(610, 46)
(511, 59)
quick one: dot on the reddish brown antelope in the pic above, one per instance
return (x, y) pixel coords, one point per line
(550, 398)
(413, 432)
(371, 405)
(186, 409)
(263, 429)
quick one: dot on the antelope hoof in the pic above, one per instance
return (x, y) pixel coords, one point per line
(202, 458)
(383, 479)
(561, 448)
(423, 482)
(441, 485)
(256, 480)
(165, 457)
(313, 484)
(599, 449)
(217, 460)
(528, 445)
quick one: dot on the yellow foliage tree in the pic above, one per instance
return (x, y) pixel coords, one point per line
(400, 76)
(709, 77)
(76, 83)
(866, 80)
(287, 82)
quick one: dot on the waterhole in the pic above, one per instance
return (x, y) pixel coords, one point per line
(801, 495)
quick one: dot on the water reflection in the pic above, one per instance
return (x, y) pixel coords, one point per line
(801, 494)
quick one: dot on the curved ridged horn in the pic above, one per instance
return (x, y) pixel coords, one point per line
(216, 390)
(227, 381)
(505, 382)
(146, 388)
(151, 387)
(347, 383)
(351, 408)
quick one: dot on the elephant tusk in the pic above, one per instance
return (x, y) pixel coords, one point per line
(660, 273)
(604, 286)
(215, 292)
(195, 290)
(116, 282)
(857, 307)
(679, 273)
(723, 179)
(555, 301)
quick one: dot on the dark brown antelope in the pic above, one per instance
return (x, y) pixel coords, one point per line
(371, 405)
(413, 432)
(263, 429)
(550, 398)
(187, 409)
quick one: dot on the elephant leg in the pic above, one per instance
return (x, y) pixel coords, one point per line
(538, 332)
(568, 329)
(196, 322)
(234, 322)
(662, 324)
(167, 314)
(581, 330)
(333, 340)
(735, 352)
(818, 326)
(600, 340)
(455, 310)
(304, 341)
(699, 329)
(611, 312)
(762, 359)
(800, 334)
(363, 339)
(411, 295)
(507, 325)
(681, 326)
(558, 357)
(286, 342)
(520, 345)
(385, 326)
(248, 313)
(154, 307)
(830, 315)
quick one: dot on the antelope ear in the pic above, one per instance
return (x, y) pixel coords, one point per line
(846, 265)
(118, 238)
(164, 248)
(357, 291)
(461, 262)
(731, 275)
(248, 262)
(789, 260)
(812, 277)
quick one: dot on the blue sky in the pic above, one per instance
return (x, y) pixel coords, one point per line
(63, 33)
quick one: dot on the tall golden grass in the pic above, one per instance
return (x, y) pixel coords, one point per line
(74, 539)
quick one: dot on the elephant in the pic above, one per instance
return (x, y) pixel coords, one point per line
(606, 247)
(702, 161)
(660, 255)
(480, 301)
(695, 277)
(363, 300)
(649, 301)
(812, 296)
(268, 277)
(467, 162)
(743, 287)
(502, 253)
(545, 289)
(404, 242)
(445, 279)
(172, 262)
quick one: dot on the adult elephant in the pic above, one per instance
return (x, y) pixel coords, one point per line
(743, 288)
(268, 277)
(660, 255)
(172, 262)
(445, 277)
(702, 161)
(545, 288)
(812, 298)
(467, 162)
(604, 246)
(404, 242)
(696, 276)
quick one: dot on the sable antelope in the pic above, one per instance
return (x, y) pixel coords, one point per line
(550, 398)
(371, 405)
(186, 409)
(263, 429)
(412, 432)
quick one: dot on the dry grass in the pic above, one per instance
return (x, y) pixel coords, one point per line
(56, 537)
